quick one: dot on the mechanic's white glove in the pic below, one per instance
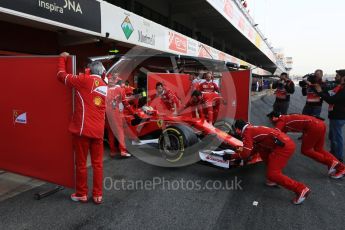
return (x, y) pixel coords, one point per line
(64, 54)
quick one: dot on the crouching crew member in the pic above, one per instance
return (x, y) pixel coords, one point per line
(87, 126)
(313, 139)
(196, 103)
(275, 148)
(169, 98)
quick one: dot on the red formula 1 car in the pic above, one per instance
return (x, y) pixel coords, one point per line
(176, 137)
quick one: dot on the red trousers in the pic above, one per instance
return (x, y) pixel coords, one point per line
(313, 142)
(116, 128)
(276, 162)
(111, 138)
(211, 112)
(82, 146)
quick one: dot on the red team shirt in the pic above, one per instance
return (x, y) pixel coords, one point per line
(89, 110)
(168, 98)
(295, 123)
(259, 139)
(117, 94)
(208, 87)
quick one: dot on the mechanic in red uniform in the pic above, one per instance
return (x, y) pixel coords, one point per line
(111, 139)
(87, 126)
(209, 89)
(313, 139)
(314, 102)
(197, 103)
(169, 98)
(195, 81)
(118, 103)
(208, 86)
(285, 87)
(128, 89)
(275, 148)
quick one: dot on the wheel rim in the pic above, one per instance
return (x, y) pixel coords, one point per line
(172, 152)
(174, 147)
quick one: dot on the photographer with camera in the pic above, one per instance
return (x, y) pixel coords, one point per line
(285, 87)
(313, 104)
(336, 113)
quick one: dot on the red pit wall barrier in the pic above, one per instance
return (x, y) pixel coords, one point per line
(39, 146)
(177, 83)
(235, 89)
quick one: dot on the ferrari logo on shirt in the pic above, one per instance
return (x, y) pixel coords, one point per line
(97, 101)
(96, 83)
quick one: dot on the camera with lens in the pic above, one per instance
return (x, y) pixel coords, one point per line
(280, 85)
(309, 77)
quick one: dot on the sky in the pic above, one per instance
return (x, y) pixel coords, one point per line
(310, 31)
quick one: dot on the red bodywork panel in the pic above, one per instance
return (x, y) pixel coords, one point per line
(156, 122)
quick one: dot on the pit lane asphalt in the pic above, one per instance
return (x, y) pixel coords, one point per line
(193, 209)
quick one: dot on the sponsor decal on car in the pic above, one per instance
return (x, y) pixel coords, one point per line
(160, 123)
(215, 158)
(210, 157)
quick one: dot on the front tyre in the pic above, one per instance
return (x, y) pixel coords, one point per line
(174, 141)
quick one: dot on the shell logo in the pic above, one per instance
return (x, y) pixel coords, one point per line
(97, 101)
